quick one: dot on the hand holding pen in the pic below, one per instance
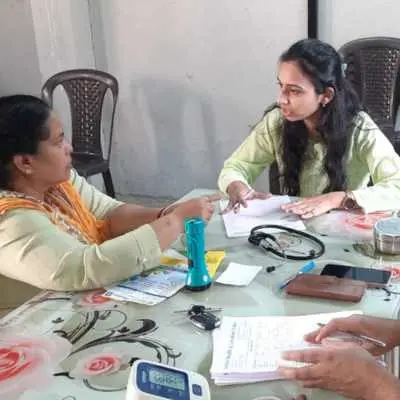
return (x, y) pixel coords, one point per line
(358, 338)
(377, 335)
(239, 193)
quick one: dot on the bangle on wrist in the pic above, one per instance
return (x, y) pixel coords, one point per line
(161, 212)
(164, 211)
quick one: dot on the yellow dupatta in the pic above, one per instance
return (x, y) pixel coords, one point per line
(65, 208)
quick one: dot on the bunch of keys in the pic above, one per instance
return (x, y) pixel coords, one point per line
(202, 317)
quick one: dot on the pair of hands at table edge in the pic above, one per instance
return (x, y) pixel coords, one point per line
(239, 194)
(348, 368)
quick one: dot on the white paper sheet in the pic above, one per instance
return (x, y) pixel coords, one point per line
(248, 349)
(238, 274)
(259, 212)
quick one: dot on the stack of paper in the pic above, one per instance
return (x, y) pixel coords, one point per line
(259, 212)
(248, 349)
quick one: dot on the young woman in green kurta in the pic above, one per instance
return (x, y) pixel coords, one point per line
(326, 148)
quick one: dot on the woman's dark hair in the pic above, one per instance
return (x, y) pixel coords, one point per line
(22, 126)
(321, 63)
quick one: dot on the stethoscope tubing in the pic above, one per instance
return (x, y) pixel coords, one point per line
(282, 254)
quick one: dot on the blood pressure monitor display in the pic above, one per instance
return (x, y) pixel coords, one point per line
(150, 380)
(167, 378)
(162, 382)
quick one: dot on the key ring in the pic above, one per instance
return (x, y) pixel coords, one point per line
(202, 316)
(198, 309)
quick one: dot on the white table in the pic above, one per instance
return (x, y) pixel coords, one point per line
(132, 330)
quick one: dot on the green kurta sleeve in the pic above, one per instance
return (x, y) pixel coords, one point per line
(370, 154)
(373, 148)
(36, 251)
(256, 152)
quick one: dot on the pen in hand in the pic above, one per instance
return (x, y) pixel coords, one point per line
(366, 338)
(236, 206)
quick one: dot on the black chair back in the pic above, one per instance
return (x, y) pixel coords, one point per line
(86, 90)
(372, 65)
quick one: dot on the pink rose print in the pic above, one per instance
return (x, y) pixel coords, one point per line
(100, 364)
(92, 299)
(29, 363)
(14, 360)
(367, 221)
(395, 271)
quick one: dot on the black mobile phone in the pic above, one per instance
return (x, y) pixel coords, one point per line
(373, 277)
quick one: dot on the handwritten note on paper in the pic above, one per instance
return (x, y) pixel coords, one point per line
(259, 212)
(238, 274)
(249, 349)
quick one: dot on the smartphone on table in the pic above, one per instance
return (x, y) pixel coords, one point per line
(373, 277)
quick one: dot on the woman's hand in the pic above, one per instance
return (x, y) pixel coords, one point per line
(345, 369)
(169, 225)
(385, 330)
(239, 194)
(199, 207)
(314, 206)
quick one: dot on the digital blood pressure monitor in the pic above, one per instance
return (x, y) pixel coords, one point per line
(150, 380)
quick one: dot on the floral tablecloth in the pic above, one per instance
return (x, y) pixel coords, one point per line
(84, 345)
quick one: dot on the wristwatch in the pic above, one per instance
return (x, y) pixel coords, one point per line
(349, 202)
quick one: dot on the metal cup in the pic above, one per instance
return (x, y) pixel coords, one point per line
(387, 235)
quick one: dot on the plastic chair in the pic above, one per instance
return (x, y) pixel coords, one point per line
(372, 65)
(86, 90)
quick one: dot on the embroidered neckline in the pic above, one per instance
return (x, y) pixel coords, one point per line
(62, 220)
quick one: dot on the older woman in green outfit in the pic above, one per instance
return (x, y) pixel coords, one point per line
(56, 230)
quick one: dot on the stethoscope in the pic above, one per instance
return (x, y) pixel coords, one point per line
(269, 242)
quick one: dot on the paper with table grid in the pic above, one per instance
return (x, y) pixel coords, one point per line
(259, 212)
(248, 349)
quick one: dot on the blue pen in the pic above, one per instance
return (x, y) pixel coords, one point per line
(303, 270)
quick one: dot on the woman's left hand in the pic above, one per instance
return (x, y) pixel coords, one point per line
(314, 206)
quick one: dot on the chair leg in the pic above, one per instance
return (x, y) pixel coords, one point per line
(109, 183)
